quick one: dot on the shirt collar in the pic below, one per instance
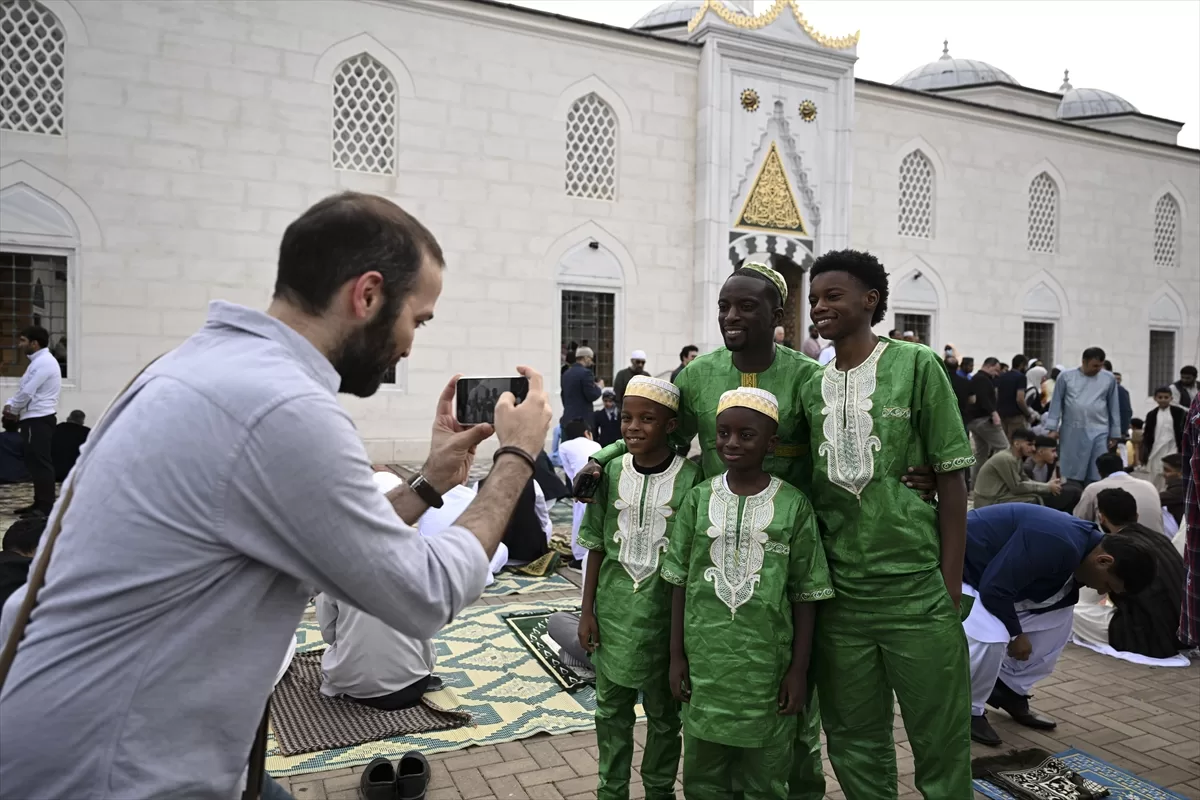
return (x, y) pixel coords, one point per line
(256, 323)
(40, 353)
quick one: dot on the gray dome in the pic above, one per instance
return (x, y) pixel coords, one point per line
(948, 72)
(1079, 103)
(673, 12)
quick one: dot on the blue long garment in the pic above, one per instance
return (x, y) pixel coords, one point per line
(1086, 412)
(1019, 551)
(579, 392)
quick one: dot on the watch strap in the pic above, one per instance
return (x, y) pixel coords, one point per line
(426, 492)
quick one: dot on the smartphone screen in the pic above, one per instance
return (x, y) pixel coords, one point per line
(475, 398)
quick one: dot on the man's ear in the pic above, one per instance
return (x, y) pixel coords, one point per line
(772, 444)
(672, 424)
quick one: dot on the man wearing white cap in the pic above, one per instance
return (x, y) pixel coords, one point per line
(637, 366)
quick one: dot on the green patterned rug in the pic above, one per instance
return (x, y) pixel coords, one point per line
(488, 673)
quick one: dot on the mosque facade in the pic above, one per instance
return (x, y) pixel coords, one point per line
(589, 184)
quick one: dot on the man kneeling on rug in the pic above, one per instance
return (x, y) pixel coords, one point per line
(1024, 566)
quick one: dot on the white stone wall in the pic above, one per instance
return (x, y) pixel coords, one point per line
(196, 131)
(977, 262)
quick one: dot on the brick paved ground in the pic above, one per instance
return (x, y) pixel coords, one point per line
(1145, 720)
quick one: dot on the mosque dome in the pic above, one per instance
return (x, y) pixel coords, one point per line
(1080, 103)
(673, 12)
(948, 72)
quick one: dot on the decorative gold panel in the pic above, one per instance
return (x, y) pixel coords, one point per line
(753, 23)
(771, 205)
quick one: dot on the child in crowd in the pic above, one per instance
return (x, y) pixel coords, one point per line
(576, 448)
(1136, 431)
(1162, 436)
(626, 619)
(747, 564)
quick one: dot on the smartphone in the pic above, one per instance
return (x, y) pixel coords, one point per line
(588, 484)
(475, 398)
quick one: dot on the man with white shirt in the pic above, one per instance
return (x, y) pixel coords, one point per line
(1113, 476)
(35, 404)
(576, 448)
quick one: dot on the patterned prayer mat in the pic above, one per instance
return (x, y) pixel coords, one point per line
(530, 628)
(304, 720)
(1036, 775)
(489, 674)
(546, 565)
(509, 582)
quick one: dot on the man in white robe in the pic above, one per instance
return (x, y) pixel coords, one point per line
(1085, 416)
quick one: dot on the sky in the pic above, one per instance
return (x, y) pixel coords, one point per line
(1146, 51)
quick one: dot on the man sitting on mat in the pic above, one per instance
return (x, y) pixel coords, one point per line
(1024, 566)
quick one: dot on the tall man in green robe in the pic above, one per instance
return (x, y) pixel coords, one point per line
(896, 561)
(749, 309)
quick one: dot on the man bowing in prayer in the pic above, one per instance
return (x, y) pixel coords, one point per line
(1085, 416)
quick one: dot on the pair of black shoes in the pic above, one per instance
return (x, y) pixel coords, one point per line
(407, 779)
(1017, 707)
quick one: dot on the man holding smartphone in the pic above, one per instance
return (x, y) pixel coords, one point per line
(232, 472)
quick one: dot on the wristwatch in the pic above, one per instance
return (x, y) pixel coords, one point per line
(426, 492)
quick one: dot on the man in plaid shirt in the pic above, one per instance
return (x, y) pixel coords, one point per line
(1189, 614)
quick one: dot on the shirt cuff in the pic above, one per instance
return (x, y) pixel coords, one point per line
(478, 567)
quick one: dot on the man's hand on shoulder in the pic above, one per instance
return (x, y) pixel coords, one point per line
(922, 480)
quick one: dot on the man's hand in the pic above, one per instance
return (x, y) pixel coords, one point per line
(995, 418)
(921, 479)
(451, 445)
(681, 686)
(600, 382)
(524, 426)
(1056, 486)
(591, 468)
(589, 632)
(793, 692)
(1020, 648)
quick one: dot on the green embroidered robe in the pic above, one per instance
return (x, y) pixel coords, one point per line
(632, 522)
(743, 561)
(706, 378)
(895, 409)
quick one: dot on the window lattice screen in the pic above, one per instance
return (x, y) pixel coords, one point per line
(916, 196)
(920, 324)
(1043, 214)
(1038, 342)
(364, 117)
(1162, 359)
(1166, 225)
(587, 321)
(591, 149)
(33, 291)
(31, 69)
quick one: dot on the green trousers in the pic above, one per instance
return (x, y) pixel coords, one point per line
(614, 736)
(714, 771)
(807, 781)
(910, 643)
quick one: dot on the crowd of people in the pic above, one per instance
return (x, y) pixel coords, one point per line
(794, 577)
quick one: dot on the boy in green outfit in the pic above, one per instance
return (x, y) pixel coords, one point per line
(626, 618)
(747, 564)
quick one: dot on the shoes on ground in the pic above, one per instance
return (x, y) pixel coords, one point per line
(378, 781)
(435, 684)
(983, 732)
(412, 777)
(1017, 707)
(575, 565)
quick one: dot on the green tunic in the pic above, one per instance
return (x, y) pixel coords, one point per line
(631, 522)
(743, 561)
(707, 377)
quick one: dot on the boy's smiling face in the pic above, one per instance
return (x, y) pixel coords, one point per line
(744, 438)
(645, 425)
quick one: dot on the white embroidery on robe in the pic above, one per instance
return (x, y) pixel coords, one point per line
(642, 526)
(850, 441)
(737, 551)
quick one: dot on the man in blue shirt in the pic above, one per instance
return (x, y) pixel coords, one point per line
(580, 389)
(1024, 565)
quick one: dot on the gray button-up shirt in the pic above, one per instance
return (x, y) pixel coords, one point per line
(222, 489)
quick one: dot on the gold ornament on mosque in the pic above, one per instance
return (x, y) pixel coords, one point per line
(808, 111)
(771, 204)
(750, 100)
(752, 23)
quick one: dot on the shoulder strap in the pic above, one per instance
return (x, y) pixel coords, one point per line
(37, 577)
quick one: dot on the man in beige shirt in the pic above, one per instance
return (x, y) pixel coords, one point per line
(1003, 480)
(1113, 476)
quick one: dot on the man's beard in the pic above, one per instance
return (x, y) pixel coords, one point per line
(366, 355)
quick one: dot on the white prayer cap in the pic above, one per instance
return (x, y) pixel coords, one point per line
(759, 400)
(638, 355)
(584, 352)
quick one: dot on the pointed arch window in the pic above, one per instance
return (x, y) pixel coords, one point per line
(1043, 214)
(916, 196)
(364, 117)
(31, 68)
(1166, 231)
(591, 149)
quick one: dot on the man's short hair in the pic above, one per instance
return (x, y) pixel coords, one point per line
(23, 535)
(991, 361)
(863, 266)
(36, 333)
(1108, 365)
(1163, 390)
(1046, 441)
(344, 236)
(967, 360)
(574, 429)
(1133, 560)
(1108, 463)
(1025, 435)
(1019, 361)
(691, 348)
(1188, 370)
(77, 417)
(1118, 506)
(1174, 461)
(1094, 354)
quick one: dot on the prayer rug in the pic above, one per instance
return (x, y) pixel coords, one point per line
(530, 628)
(1070, 775)
(546, 565)
(305, 720)
(509, 582)
(489, 674)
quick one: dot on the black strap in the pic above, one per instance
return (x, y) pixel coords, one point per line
(257, 767)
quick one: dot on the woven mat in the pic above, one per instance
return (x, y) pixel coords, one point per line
(305, 720)
(1036, 774)
(509, 582)
(530, 628)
